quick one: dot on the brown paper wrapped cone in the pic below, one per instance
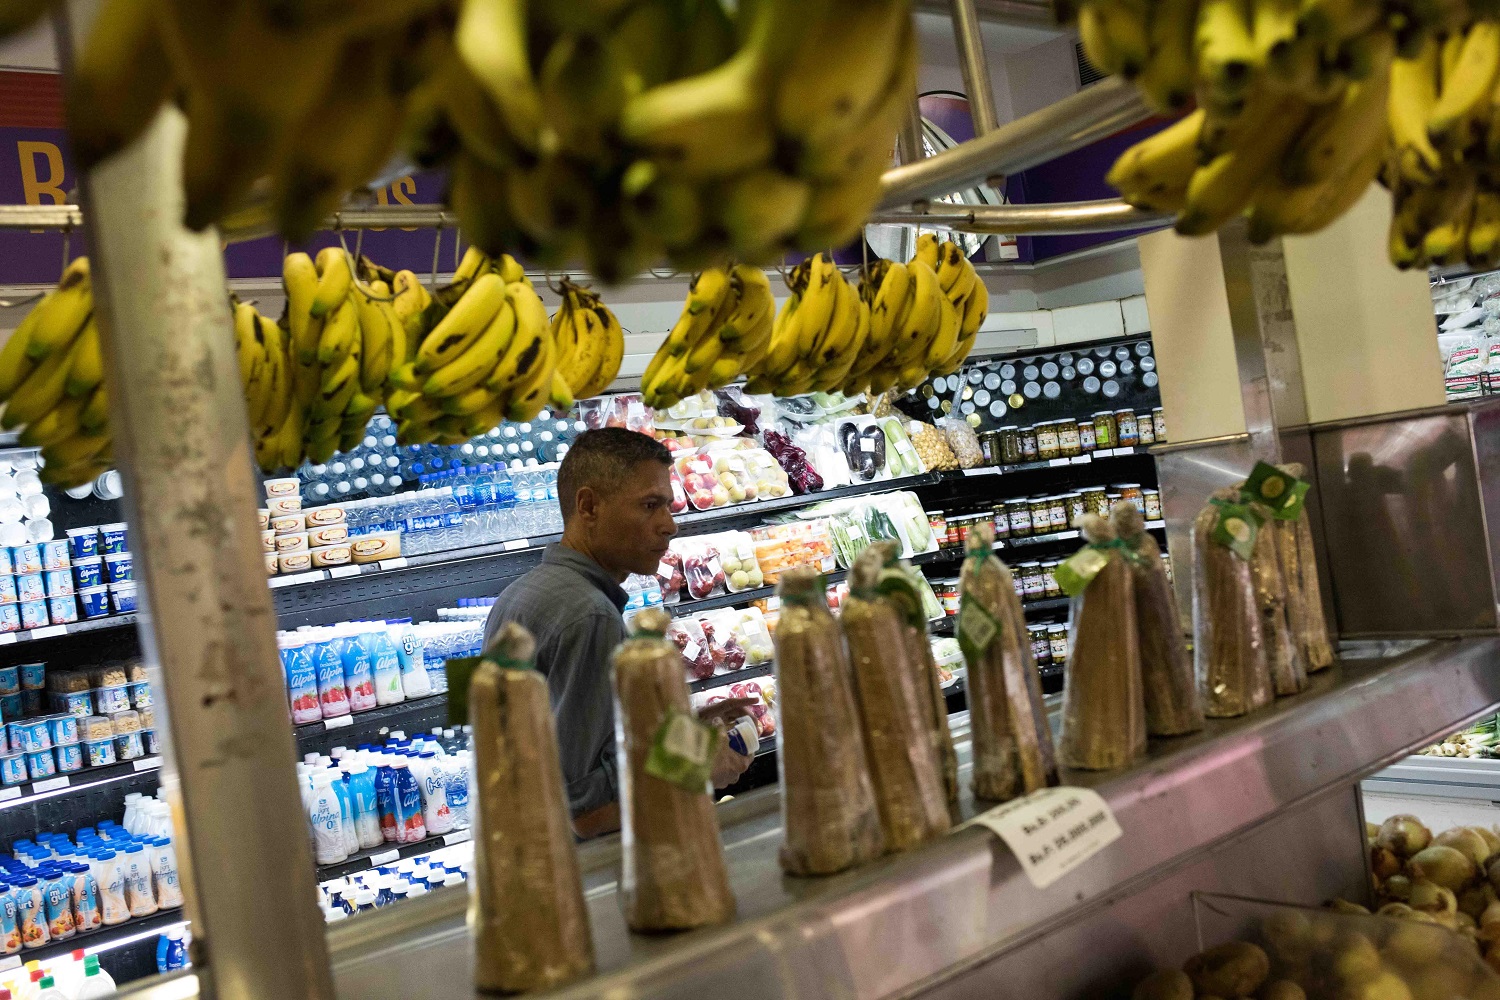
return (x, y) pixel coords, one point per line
(828, 813)
(1104, 709)
(894, 717)
(1229, 655)
(1304, 595)
(1011, 738)
(1283, 655)
(1171, 691)
(526, 909)
(919, 652)
(673, 874)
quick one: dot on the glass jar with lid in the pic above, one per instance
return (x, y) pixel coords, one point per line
(1145, 428)
(1041, 648)
(1152, 501)
(1057, 644)
(1159, 425)
(1104, 429)
(939, 525)
(1131, 492)
(1058, 512)
(1018, 512)
(1068, 442)
(1166, 562)
(1032, 586)
(1096, 501)
(1126, 430)
(1028, 444)
(1086, 442)
(989, 447)
(1041, 515)
(1010, 445)
(1049, 578)
(1046, 441)
(1002, 522)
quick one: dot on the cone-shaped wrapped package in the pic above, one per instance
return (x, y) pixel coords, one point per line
(1104, 708)
(1229, 654)
(893, 712)
(526, 909)
(1283, 654)
(1167, 679)
(1010, 735)
(674, 876)
(828, 813)
(919, 651)
(1299, 568)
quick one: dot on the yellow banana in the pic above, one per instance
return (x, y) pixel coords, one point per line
(478, 360)
(41, 391)
(1413, 92)
(95, 413)
(340, 335)
(609, 360)
(63, 312)
(86, 369)
(15, 364)
(921, 321)
(463, 324)
(62, 421)
(1225, 48)
(334, 281)
(376, 352)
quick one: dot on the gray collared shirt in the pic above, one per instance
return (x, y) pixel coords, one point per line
(574, 609)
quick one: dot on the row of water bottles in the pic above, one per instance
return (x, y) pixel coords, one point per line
(400, 793)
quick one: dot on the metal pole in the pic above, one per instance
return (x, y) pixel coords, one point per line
(1104, 216)
(975, 66)
(1075, 121)
(207, 621)
(909, 147)
(1018, 12)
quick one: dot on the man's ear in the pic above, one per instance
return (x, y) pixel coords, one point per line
(586, 502)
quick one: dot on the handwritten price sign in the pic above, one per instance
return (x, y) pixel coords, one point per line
(1053, 831)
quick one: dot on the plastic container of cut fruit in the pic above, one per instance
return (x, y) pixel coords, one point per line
(768, 477)
(702, 571)
(714, 478)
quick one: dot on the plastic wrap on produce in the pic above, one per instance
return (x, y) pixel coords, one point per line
(526, 909)
(1010, 735)
(1104, 708)
(1283, 656)
(1229, 655)
(904, 763)
(673, 872)
(1299, 566)
(963, 441)
(828, 812)
(1171, 692)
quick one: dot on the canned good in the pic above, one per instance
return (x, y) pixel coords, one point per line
(1010, 445)
(1096, 501)
(1104, 429)
(100, 752)
(1018, 513)
(1049, 578)
(1151, 499)
(1086, 441)
(1028, 444)
(1002, 522)
(1126, 430)
(1076, 507)
(1046, 441)
(1131, 493)
(1041, 649)
(1041, 515)
(1068, 441)
(1145, 428)
(1057, 642)
(1159, 424)
(1032, 586)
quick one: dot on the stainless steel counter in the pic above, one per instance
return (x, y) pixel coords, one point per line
(917, 921)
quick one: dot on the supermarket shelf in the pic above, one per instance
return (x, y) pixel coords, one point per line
(1439, 777)
(692, 518)
(799, 937)
(733, 677)
(100, 939)
(360, 723)
(1054, 463)
(89, 777)
(946, 626)
(386, 854)
(72, 628)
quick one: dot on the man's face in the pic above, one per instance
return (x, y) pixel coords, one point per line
(629, 529)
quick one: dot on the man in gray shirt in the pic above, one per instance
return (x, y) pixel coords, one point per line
(615, 491)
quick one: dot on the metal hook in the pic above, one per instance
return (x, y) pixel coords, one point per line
(458, 242)
(353, 262)
(437, 249)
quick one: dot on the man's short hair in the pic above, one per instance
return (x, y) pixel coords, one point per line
(602, 459)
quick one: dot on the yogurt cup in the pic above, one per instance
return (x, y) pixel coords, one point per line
(32, 703)
(58, 582)
(140, 694)
(264, 516)
(78, 704)
(268, 540)
(129, 746)
(83, 543)
(110, 699)
(26, 558)
(13, 770)
(327, 534)
(119, 568)
(113, 538)
(33, 676)
(100, 753)
(62, 610)
(41, 764)
(10, 680)
(294, 562)
(10, 617)
(33, 613)
(331, 555)
(10, 706)
(88, 572)
(55, 554)
(6, 565)
(64, 729)
(288, 524)
(295, 542)
(29, 735)
(150, 741)
(375, 547)
(94, 602)
(284, 505)
(320, 516)
(30, 587)
(8, 594)
(69, 758)
(271, 566)
(122, 598)
(285, 487)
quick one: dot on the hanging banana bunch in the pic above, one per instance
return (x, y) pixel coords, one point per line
(590, 343)
(724, 330)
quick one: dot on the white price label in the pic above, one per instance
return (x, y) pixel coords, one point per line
(146, 763)
(339, 722)
(1053, 831)
(984, 470)
(1081, 459)
(10, 962)
(457, 837)
(856, 532)
(7, 638)
(9, 793)
(338, 572)
(47, 631)
(397, 563)
(866, 444)
(383, 859)
(691, 650)
(1053, 463)
(516, 544)
(61, 781)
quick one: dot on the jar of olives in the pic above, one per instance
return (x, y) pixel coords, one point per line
(1010, 445)
(1159, 425)
(1126, 430)
(1104, 429)
(1145, 428)
(1018, 512)
(1028, 444)
(1068, 442)
(1046, 441)
(1086, 441)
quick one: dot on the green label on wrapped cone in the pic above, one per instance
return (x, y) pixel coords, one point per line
(1079, 569)
(977, 628)
(460, 671)
(682, 752)
(1236, 528)
(1279, 492)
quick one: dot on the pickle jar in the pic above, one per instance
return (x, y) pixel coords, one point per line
(1046, 441)
(1057, 644)
(989, 447)
(1076, 508)
(1032, 586)
(1151, 499)
(1058, 512)
(1068, 442)
(1049, 578)
(1018, 512)
(1010, 445)
(1104, 429)
(939, 525)
(1041, 515)
(1110, 499)
(1159, 425)
(1086, 443)
(1002, 522)
(962, 524)
(1041, 649)
(1145, 429)
(1131, 492)
(1126, 430)
(1028, 444)
(1096, 501)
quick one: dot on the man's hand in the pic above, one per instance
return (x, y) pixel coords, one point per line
(726, 711)
(728, 765)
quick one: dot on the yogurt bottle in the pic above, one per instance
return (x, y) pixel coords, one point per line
(327, 820)
(389, 686)
(139, 896)
(346, 812)
(411, 825)
(57, 898)
(163, 858)
(85, 897)
(10, 928)
(31, 912)
(414, 680)
(359, 668)
(385, 801)
(366, 808)
(301, 681)
(333, 692)
(109, 876)
(437, 816)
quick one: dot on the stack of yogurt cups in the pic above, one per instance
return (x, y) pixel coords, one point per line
(296, 541)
